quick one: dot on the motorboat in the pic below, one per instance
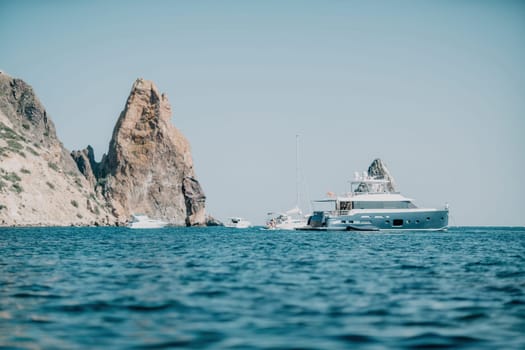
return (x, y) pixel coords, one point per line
(373, 205)
(289, 220)
(143, 221)
(237, 222)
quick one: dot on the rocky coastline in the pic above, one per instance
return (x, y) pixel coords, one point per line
(148, 167)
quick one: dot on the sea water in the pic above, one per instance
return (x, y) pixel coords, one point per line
(220, 288)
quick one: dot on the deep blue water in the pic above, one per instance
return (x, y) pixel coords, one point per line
(219, 288)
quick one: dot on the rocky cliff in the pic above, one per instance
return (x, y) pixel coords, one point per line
(39, 182)
(148, 168)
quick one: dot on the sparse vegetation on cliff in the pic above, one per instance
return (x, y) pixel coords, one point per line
(8, 133)
(17, 188)
(78, 182)
(15, 145)
(32, 151)
(53, 166)
(13, 177)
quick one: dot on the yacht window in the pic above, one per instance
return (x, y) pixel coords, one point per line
(397, 222)
(383, 205)
(345, 205)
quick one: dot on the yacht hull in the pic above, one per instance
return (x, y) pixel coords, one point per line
(385, 220)
(146, 225)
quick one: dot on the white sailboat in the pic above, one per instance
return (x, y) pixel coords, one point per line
(292, 218)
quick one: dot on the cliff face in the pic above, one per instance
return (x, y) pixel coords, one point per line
(149, 168)
(39, 182)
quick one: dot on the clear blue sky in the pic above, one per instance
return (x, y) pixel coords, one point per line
(434, 88)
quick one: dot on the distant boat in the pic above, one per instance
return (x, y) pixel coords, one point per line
(237, 222)
(143, 221)
(373, 205)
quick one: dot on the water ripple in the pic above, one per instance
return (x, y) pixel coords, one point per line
(218, 288)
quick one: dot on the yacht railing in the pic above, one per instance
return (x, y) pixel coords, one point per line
(375, 192)
(347, 212)
(333, 212)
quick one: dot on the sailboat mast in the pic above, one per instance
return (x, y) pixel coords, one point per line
(297, 171)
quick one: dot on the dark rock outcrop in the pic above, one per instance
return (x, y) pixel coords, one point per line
(379, 171)
(195, 200)
(211, 221)
(23, 108)
(85, 160)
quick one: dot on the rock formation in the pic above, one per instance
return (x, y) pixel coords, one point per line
(39, 182)
(378, 170)
(148, 168)
(211, 221)
(87, 165)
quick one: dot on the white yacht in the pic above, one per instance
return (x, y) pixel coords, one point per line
(143, 221)
(373, 205)
(237, 222)
(289, 220)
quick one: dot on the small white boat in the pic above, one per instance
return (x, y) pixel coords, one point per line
(143, 221)
(237, 222)
(290, 220)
